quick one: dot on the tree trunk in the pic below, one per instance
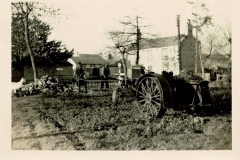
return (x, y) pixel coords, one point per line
(124, 68)
(35, 76)
(230, 67)
(202, 66)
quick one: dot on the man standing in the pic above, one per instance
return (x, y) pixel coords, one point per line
(105, 74)
(80, 75)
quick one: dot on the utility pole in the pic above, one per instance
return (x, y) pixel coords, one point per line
(138, 37)
(196, 41)
(179, 44)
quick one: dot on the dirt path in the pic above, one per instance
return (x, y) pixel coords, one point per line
(32, 128)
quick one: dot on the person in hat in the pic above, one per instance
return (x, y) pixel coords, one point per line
(79, 73)
(105, 75)
(80, 76)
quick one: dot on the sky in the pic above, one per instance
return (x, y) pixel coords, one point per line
(83, 25)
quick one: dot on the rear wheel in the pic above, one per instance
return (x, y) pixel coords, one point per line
(150, 97)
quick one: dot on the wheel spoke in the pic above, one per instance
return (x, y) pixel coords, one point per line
(151, 109)
(142, 100)
(157, 102)
(154, 89)
(157, 99)
(141, 96)
(143, 88)
(147, 88)
(152, 86)
(143, 106)
(157, 95)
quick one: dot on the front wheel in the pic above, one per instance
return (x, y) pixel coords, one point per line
(116, 96)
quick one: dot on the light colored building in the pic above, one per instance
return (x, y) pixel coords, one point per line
(161, 54)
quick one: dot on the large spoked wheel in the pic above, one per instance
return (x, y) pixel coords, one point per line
(150, 97)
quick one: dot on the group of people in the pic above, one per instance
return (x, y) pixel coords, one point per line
(80, 74)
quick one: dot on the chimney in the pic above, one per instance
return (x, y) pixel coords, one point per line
(109, 56)
(189, 28)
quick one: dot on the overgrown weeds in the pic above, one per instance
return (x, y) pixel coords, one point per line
(94, 123)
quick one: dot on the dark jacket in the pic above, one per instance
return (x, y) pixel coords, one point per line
(106, 72)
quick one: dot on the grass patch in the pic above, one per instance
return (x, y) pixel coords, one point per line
(92, 122)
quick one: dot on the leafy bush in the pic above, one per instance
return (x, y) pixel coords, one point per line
(46, 84)
(222, 98)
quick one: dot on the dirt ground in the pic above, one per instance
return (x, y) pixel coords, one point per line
(90, 123)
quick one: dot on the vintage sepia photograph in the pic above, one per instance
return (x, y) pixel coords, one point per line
(121, 75)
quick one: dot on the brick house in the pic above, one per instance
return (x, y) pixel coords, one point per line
(161, 54)
(90, 62)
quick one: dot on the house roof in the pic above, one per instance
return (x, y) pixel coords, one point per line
(158, 43)
(89, 59)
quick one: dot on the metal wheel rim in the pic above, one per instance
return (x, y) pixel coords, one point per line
(116, 96)
(150, 96)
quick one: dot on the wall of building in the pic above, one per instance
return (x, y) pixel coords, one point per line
(157, 59)
(16, 75)
(62, 72)
(188, 54)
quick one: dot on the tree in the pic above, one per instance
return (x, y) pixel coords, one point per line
(225, 40)
(225, 45)
(130, 36)
(208, 46)
(46, 52)
(25, 12)
(200, 21)
(37, 36)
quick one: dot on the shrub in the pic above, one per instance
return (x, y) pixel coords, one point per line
(46, 84)
(222, 98)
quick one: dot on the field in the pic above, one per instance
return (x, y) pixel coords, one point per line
(91, 122)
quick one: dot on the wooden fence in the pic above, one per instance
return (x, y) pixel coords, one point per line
(97, 83)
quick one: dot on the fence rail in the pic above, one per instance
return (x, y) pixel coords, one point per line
(96, 83)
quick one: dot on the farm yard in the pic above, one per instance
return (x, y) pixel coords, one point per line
(89, 121)
(167, 90)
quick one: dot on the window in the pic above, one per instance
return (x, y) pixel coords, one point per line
(59, 69)
(91, 65)
(149, 55)
(87, 65)
(164, 50)
(116, 71)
